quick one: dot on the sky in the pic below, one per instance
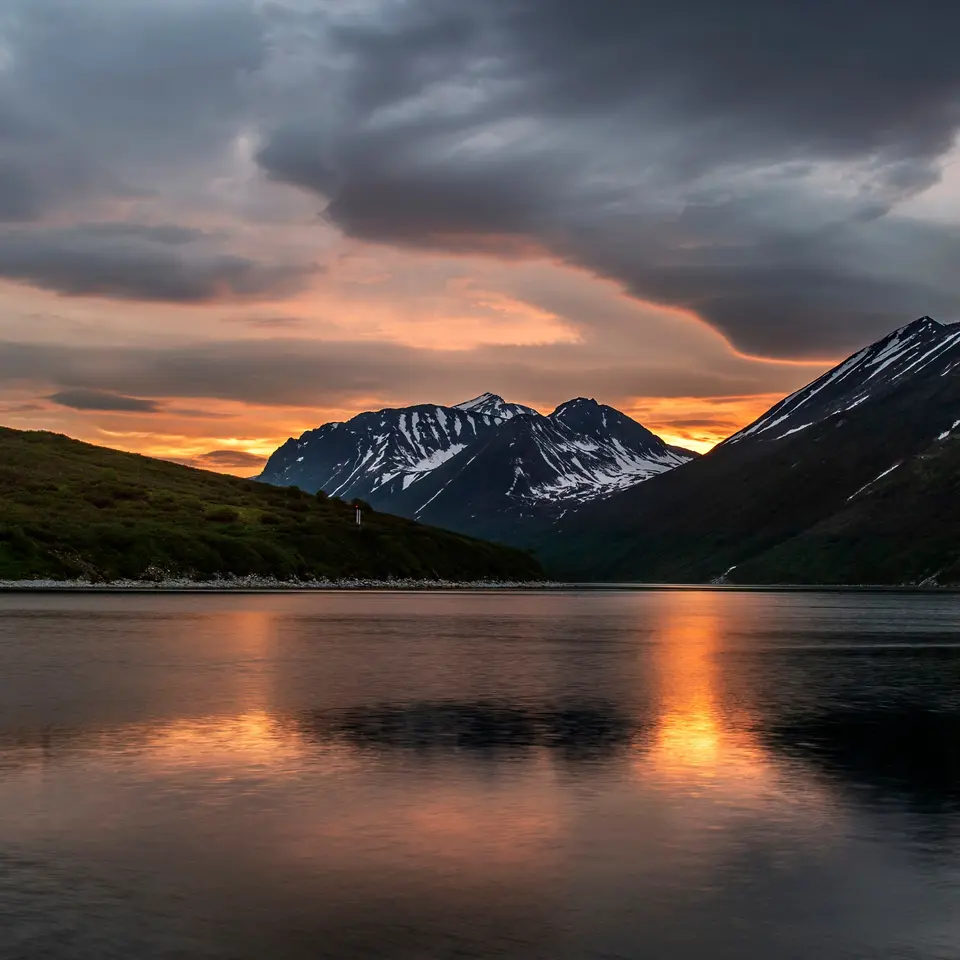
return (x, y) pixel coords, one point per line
(223, 222)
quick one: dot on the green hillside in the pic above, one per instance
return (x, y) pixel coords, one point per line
(70, 509)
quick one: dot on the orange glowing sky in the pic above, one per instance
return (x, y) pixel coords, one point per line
(224, 223)
(413, 328)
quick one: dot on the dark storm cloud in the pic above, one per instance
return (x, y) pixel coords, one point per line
(831, 77)
(746, 160)
(741, 159)
(818, 294)
(125, 100)
(80, 399)
(387, 198)
(97, 97)
(131, 261)
(40, 171)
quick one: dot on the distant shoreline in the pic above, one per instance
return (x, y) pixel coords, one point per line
(253, 585)
(258, 585)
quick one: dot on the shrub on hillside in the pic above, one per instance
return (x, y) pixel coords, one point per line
(222, 515)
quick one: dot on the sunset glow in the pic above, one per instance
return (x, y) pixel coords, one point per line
(202, 290)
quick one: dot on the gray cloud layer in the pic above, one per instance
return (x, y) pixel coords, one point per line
(684, 149)
(129, 261)
(122, 100)
(82, 399)
(104, 96)
(746, 160)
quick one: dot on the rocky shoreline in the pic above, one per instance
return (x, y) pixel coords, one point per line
(254, 584)
(259, 584)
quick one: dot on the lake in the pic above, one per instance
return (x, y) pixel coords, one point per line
(657, 774)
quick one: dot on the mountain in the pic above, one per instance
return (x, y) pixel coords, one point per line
(376, 456)
(484, 467)
(918, 350)
(70, 509)
(490, 405)
(853, 479)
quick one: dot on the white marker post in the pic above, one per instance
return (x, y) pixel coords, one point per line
(358, 516)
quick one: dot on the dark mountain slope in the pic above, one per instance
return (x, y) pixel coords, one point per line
(796, 497)
(71, 509)
(902, 528)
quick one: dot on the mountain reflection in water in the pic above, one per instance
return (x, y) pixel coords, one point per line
(673, 774)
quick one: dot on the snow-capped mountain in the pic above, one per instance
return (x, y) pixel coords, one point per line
(485, 466)
(922, 348)
(535, 468)
(490, 405)
(852, 479)
(375, 456)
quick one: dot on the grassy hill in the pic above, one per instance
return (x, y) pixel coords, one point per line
(70, 509)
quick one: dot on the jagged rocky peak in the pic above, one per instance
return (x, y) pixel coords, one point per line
(582, 410)
(577, 403)
(917, 332)
(922, 323)
(493, 405)
(587, 417)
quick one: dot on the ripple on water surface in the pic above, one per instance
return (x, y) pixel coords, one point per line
(684, 775)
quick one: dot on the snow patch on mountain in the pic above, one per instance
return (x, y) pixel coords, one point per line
(434, 459)
(867, 374)
(866, 486)
(492, 405)
(483, 455)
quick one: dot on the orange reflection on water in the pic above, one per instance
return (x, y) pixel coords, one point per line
(250, 740)
(697, 735)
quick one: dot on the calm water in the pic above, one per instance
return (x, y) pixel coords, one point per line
(640, 775)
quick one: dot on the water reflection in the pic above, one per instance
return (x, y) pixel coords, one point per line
(574, 731)
(912, 756)
(679, 774)
(699, 733)
(690, 723)
(690, 686)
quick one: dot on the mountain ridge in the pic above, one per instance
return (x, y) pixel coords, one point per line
(484, 466)
(493, 405)
(793, 497)
(906, 349)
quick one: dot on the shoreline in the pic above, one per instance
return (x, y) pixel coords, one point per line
(258, 585)
(248, 585)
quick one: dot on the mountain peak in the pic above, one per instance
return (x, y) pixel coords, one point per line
(583, 413)
(921, 324)
(493, 405)
(584, 402)
(922, 348)
(479, 401)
